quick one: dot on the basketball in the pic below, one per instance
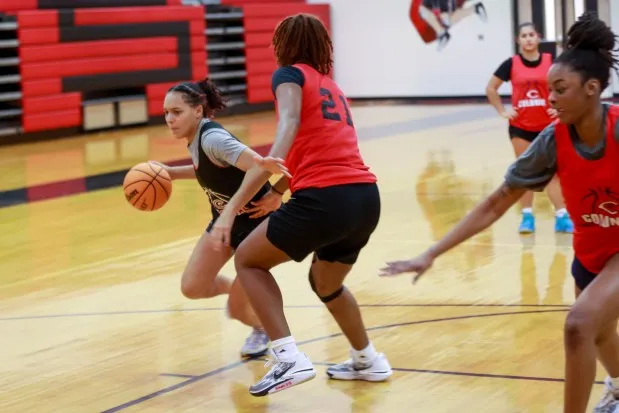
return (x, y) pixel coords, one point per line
(147, 186)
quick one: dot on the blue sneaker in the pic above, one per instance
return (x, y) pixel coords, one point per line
(564, 224)
(527, 225)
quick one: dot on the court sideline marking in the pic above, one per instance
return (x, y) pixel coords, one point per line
(301, 306)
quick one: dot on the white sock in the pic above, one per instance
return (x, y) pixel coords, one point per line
(614, 381)
(365, 356)
(560, 212)
(527, 210)
(285, 349)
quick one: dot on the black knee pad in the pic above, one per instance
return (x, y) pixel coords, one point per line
(328, 298)
(333, 296)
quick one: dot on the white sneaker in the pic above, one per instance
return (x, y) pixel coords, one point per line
(284, 375)
(256, 344)
(378, 370)
(609, 402)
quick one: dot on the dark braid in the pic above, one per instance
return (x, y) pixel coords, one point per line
(303, 38)
(590, 49)
(203, 93)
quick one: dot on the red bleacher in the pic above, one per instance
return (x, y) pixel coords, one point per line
(67, 55)
(47, 59)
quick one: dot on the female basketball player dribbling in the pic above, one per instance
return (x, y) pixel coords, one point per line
(333, 210)
(583, 149)
(219, 165)
(529, 115)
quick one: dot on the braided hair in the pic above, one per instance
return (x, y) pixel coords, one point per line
(590, 49)
(203, 93)
(303, 38)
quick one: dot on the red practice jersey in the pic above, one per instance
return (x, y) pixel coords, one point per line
(530, 94)
(591, 192)
(325, 151)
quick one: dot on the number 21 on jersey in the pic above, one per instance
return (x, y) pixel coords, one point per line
(329, 107)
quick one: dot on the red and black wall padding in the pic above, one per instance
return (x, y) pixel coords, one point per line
(19, 5)
(77, 56)
(72, 35)
(68, 51)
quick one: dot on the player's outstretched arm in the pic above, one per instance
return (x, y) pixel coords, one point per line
(481, 217)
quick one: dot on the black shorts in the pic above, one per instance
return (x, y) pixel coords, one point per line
(582, 276)
(335, 222)
(527, 135)
(242, 227)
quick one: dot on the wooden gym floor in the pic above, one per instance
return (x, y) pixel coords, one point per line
(92, 318)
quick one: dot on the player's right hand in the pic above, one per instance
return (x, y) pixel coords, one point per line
(418, 265)
(509, 114)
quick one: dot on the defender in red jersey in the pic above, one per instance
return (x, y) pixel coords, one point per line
(325, 150)
(529, 115)
(582, 147)
(332, 213)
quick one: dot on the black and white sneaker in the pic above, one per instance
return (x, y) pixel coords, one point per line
(377, 370)
(609, 402)
(443, 39)
(284, 375)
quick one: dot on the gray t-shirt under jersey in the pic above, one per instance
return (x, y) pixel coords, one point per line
(538, 164)
(220, 147)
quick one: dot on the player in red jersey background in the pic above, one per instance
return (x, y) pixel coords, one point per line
(530, 114)
(582, 147)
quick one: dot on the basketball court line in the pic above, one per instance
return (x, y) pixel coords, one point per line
(308, 306)
(175, 387)
(231, 366)
(411, 370)
(444, 372)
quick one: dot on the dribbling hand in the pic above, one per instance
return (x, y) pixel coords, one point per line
(418, 265)
(274, 165)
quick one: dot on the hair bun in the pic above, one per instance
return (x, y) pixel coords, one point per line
(214, 97)
(590, 33)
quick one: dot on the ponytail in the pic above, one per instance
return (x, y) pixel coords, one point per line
(203, 93)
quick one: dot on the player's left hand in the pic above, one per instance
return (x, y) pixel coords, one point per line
(418, 265)
(268, 203)
(274, 165)
(219, 235)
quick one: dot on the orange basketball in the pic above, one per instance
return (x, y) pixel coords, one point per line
(147, 186)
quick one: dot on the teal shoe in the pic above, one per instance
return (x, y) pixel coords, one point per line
(564, 224)
(527, 225)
